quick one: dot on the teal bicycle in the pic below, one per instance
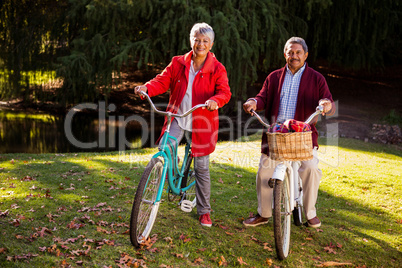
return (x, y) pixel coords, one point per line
(163, 166)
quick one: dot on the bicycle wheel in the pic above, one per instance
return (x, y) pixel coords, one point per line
(144, 211)
(282, 213)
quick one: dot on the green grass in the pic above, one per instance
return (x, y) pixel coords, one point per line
(74, 209)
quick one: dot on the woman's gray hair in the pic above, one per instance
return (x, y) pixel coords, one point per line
(296, 40)
(204, 29)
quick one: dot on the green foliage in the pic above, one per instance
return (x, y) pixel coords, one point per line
(360, 34)
(94, 39)
(393, 118)
(31, 35)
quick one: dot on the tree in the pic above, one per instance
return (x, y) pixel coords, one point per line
(95, 39)
(149, 33)
(31, 32)
(355, 34)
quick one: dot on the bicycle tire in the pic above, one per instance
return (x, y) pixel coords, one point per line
(144, 210)
(297, 216)
(281, 215)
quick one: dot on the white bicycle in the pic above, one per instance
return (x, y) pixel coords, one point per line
(287, 185)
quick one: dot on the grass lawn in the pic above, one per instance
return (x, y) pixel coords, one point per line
(72, 210)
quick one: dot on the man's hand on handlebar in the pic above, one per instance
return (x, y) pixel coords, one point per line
(326, 104)
(250, 105)
(140, 88)
(211, 105)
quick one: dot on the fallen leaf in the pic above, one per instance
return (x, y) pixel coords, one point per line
(332, 263)
(198, 261)
(267, 247)
(15, 222)
(4, 214)
(220, 180)
(268, 261)
(177, 255)
(223, 262)
(329, 250)
(43, 231)
(240, 260)
(74, 225)
(223, 227)
(14, 206)
(184, 238)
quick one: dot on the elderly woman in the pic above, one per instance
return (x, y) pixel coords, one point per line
(195, 78)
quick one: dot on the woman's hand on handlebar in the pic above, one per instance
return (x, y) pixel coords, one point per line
(211, 105)
(250, 105)
(326, 104)
(140, 88)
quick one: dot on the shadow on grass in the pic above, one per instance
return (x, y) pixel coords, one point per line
(359, 233)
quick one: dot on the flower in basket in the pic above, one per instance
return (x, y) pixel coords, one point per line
(297, 126)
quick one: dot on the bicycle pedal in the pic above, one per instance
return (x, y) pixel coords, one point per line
(186, 206)
(271, 183)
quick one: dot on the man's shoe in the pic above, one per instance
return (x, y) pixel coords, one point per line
(205, 220)
(255, 221)
(314, 222)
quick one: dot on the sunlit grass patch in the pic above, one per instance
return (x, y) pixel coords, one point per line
(76, 209)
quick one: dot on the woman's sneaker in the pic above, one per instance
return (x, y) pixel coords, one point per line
(205, 220)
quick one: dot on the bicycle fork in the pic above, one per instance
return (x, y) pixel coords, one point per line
(279, 174)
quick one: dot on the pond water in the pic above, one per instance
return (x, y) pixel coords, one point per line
(75, 132)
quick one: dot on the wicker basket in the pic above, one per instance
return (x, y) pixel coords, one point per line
(295, 146)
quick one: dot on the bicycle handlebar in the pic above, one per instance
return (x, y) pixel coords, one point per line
(318, 110)
(169, 113)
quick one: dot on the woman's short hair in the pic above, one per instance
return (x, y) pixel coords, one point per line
(204, 29)
(296, 40)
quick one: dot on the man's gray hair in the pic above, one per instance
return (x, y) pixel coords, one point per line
(296, 40)
(204, 29)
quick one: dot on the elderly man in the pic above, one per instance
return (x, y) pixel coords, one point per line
(292, 92)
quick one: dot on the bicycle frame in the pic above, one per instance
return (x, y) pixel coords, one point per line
(295, 195)
(287, 198)
(170, 163)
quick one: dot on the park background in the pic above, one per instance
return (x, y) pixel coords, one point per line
(57, 54)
